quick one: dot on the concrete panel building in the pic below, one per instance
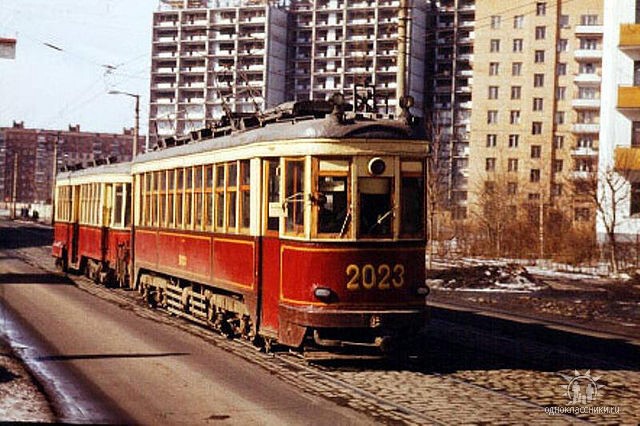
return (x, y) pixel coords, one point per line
(536, 102)
(341, 43)
(619, 161)
(209, 57)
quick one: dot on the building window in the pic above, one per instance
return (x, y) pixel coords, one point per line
(635, 133)
(516, 68)
(514, 117)
(559, 117)
(541, 32)
(588, 117)
(492, 140)
(564, 21)
(636, 73)
(561, 68)
(513, 141)
(589, 43)
(518, 21)
(588, 68)
(495, 45)
(588, 93)
(557, 166)
(563, 45)
(634, 208)
(490, 164)
(517, 45)
(495, 22)
(558, 142)
(561, 92)
(589, 20)
(512, 188)
(493, 92)
(536, 151)
(492, 117)
(556, 189)
(582, 214)
(538, 80)
(541, 8)
(539, 56)
(534, 175)
(538, 104)
(534, 196)
(516, 92)
(536, 128)
(512, 164)
(494, 68)
(585, 142)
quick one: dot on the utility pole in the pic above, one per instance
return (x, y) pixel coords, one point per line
(402, 54)
(541, 226)
(14, 189)
(136, 127)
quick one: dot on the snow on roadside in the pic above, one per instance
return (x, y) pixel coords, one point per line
(20, 399)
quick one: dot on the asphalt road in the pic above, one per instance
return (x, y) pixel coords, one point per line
(104, 364)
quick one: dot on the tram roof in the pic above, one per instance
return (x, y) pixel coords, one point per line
(113, 169)
(292, 129)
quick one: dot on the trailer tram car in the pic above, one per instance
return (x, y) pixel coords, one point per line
(92, 230)
(306, 231)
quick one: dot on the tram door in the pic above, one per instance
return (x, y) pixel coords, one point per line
(75, 224)
(270, 248)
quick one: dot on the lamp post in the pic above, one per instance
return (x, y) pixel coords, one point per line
(136, 128)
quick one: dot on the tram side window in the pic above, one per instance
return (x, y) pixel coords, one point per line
(332, 197)
(376, 207)
(179, 196)
(107, 207)
(127, 205)
(245, 195)
(117, 205)
(197, 197)
(294, 196)
(147, 199)
(162, 197)
(171, 194)
(220, 178)
(208, 197)
(273, 194)
(158, 181)
(188, 197)
(412, 199)
(232, 195)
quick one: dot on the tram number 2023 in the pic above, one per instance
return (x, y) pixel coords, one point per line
(368, 276)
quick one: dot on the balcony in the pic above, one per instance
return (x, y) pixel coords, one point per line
(586, 103)
(585, 128)
(588, 54)
(629, 100)
(588, 79)
(582, 174)
(627, 158)
(630, 39)
(589, 29)
(584, 151)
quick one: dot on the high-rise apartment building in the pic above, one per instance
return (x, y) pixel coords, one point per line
(341, 43)
(28, 154)
(209, 57)
(619, 161)
(536, 102)
(452, 104)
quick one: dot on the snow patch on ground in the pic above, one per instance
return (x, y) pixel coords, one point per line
(494, 277)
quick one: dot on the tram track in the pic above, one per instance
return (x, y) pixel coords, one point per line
(409, 394)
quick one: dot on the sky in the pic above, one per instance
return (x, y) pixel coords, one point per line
(104, 45)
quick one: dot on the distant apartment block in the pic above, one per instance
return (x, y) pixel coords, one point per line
(29, 153)
(536, 101)
(451, 84)
(340, 45)
(209, 57)
(619, 160)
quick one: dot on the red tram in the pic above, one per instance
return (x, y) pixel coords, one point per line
(304, 231)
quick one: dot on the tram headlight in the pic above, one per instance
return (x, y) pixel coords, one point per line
(376, 166)
(423, 291)
(324, 294)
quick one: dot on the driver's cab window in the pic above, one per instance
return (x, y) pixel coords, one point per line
(332, 200)
(376, 207)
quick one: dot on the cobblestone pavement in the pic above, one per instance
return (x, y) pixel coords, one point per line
(455, 384)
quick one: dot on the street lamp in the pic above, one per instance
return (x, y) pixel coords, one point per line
(136, 128)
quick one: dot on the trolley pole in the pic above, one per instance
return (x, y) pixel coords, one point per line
(402, 54)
